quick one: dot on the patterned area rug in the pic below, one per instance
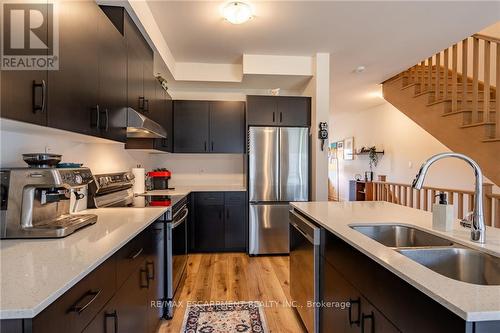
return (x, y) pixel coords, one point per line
(245, 317)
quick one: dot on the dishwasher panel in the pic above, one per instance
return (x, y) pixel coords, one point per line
(305, 269)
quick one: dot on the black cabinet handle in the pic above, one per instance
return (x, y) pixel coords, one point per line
(43, 86)
(107, 119)
(95, 117)
(281, 117)
(372, 321)
(103, 120)
(144, 272)
(113, 315)
(205, 146)
(135, 255)
(152, 265)
(358, 303)
(220, 214)
(273, 117)
(212, 146)
(141, 103)
(90, 296)
(146, 105)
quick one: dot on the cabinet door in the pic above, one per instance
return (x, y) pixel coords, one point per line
(209, 221)
(373, 321)
(155, 273)
(112, 81)
(262, 110)
(293, 111)
(191, 126)
(149, 85)
(126, 312)
(106, 321)
(339, 317)
(23, 92)
(166, 120)
(132, 303)
(135, 90)
(227, 127)
(73, 91)
(235, 221)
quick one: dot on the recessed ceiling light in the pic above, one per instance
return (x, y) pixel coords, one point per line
(237, 12)
(359, 69)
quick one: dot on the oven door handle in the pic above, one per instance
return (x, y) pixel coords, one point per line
(179, 221)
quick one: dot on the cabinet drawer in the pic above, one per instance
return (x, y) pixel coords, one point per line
(209, 198)
(76, 308)
(129, 257)
(234, 198)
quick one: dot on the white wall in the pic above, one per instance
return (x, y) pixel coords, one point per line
(202, 169)
(99, 157)
(406, 146)
(319, 89)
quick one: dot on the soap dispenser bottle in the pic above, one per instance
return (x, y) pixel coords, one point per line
(442, 214)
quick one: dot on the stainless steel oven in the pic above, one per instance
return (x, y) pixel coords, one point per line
(177, 256)
(305, 266)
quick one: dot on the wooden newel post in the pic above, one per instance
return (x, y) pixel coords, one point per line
(487, 202)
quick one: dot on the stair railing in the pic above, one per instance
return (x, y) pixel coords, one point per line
(460, 75)
(405, 195)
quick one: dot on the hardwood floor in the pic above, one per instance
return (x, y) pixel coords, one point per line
(238, 277)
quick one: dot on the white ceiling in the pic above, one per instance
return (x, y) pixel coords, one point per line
(386, 37)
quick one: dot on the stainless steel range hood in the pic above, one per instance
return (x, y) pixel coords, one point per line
(140, 126)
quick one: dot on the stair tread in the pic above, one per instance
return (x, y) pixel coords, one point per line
(463, 111)
(492, 140)
(481, 123)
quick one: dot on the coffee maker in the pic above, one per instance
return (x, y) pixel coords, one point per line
(35, 203)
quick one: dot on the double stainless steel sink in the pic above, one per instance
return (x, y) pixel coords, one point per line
(439, 254)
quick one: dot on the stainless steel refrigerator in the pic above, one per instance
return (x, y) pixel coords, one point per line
(278, 168)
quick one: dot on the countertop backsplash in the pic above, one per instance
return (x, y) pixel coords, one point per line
(99, 157)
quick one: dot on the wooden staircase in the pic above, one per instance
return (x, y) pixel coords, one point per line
(458, 109)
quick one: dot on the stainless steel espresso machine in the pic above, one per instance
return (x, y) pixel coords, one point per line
(35, 202)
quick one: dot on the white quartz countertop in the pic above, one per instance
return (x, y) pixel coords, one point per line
(185, 190)
(34, 273)
(469, 301)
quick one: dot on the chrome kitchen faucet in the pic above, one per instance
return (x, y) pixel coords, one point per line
(477, 223)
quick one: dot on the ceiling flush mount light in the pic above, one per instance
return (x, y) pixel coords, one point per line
(237, 12)
(359, 69)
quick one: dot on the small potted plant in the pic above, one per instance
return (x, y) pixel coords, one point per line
(372, 162)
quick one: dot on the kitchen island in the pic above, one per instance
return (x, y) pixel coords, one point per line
(406, 295)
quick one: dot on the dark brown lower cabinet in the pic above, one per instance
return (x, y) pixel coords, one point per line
(116, 297)
(128, 309)
(219, 222)
(380, 301)
(346, 310)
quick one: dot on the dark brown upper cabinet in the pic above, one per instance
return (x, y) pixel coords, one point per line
(292, 111)
(24, 92)
(140, 78)
(209, 127)
(88, 93)
(191, 134)
(112, 81)
(227, 127)
(74, 89)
